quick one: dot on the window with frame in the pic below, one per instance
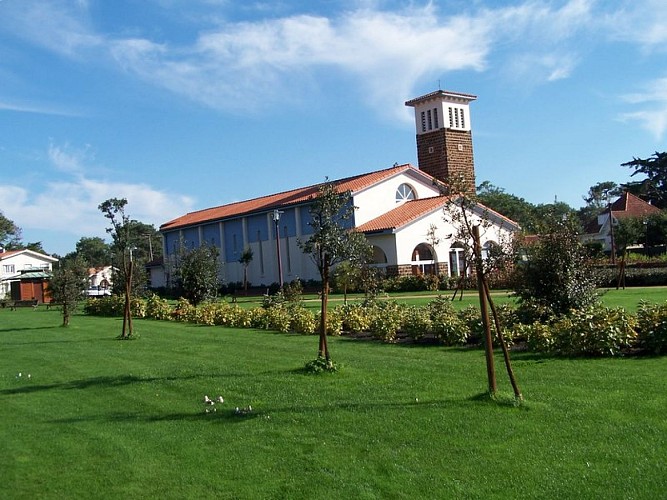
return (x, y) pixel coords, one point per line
(8, 268)
(405, 193)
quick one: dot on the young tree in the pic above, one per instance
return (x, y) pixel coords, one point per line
(469, 221)
(197, 273)
(67, 286)
(332, 241)
(245, 260)
(114, 210)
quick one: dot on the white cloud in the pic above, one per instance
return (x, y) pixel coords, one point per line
(653, 116)
(71, 205)
(641, 22)
(37, 109)
(57, 25)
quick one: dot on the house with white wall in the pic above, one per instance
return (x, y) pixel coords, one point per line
(627, 206)
(399, 209)
(24, 274)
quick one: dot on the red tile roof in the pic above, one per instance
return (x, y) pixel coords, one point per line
(629, 205)
(414, 209)
(403, 214)
(295, 196)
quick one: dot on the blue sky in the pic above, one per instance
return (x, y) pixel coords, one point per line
(179, 105)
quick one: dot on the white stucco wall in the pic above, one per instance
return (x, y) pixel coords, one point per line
(381, 198)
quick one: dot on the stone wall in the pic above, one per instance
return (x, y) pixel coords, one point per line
(447, 155)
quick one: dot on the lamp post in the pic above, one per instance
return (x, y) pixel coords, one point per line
(276, 219)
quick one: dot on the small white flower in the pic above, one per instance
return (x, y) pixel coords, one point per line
(19, 375)
(29, 376)
(249, 408)
(220, 399)
(206, 399)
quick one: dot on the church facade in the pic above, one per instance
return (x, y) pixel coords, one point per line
(402, 210)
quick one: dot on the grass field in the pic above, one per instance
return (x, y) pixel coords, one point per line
(102, 418)
(628, 298)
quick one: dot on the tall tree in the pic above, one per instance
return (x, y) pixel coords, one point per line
(197, 273)
(67, 286)
(332, 241)
(597, 199)
(94, 251)
(10, 234)
(511, 206)
(654, 187)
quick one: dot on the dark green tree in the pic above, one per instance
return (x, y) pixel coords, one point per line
(197, 273)
(509, 205)
(333, 241)
(94, 251)
(10, 234)
(654, 187)
(67, 286)
(553, 274)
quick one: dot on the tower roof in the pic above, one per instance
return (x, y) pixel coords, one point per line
(446, 95)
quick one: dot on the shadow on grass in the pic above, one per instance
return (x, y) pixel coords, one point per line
(102, 382)
(32, 328)
(234, 416)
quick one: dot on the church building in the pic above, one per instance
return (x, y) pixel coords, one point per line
(400, 209)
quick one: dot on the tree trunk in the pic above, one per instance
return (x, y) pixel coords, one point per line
(324, 348)
(488, 343)
(501, 339)
(65, 314)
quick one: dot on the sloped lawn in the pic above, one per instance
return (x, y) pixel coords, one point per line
(94, 417)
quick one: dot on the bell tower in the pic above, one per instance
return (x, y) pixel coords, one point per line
(444, 138)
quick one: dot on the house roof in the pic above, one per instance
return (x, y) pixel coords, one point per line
(13, 253)
(404, 214)
(297, 196)
(413, 210)
(629, 205)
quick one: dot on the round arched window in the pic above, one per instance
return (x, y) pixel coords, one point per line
(405, 193)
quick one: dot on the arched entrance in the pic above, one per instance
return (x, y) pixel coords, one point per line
(423, 259)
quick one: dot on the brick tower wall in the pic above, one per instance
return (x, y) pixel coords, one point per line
(447, 155)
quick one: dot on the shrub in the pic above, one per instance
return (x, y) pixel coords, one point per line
(334, 323)
(158, 308)
(652, 327)
(594, 331)
(355, 318)
(302, 320)
(472, 322)
(184, 311)
(278, 318)
(538, 336)
(416, 321)
(446, 324)
(386, 320)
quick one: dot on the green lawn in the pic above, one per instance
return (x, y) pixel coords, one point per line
(102, 418)
(628, 298)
